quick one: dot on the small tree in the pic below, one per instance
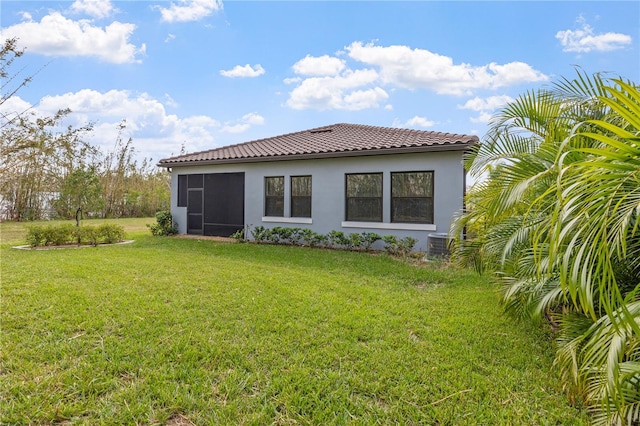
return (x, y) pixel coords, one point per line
(81, 190)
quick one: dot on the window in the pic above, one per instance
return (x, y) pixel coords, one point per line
(182, 191)
(185, 183)
(412, 197)
(274, 196)
(195, 181)
(300, 196)
(364, 197)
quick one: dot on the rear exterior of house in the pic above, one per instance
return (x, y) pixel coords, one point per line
(344, 177)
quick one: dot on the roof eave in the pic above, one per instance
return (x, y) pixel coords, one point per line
(320, 155)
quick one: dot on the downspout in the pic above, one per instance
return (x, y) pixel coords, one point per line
(464, 198)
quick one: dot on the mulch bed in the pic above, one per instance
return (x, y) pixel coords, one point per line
(69, 246)
(205, 237)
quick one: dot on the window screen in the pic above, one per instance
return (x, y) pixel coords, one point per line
(274, 196)
(364, 197)
(412, 197)
(300, 196)
(182, 191)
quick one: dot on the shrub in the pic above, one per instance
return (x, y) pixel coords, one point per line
(239, 235)
(49, 235)
(289, 235)
(406, 244)
(296, 234)
(337, 239)
(164, 225)
(280, 234)
(60, 234)
(369, 238)
(355, 240)
(36, 236)
(399, 247)
(391, 244)
(311, 238)
(273, 235)
(259, 234)
(322, 240)
(57, 235)
(110, 233)
(87, 235)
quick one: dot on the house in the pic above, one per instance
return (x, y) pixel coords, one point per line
(342, 177)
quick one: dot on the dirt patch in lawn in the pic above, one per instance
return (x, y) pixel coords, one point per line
(179, 420)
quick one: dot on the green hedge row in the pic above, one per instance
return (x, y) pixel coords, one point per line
(57, 235)
(334, 239)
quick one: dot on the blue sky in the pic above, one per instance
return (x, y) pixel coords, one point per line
(206, 73)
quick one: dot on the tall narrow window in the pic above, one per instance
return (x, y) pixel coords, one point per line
(182, 191)
(364, 197)
(412, 197)
(300, 196)
(274, 196)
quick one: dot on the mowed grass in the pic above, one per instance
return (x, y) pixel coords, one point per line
(181, 331)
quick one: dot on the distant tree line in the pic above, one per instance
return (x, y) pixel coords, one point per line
(48, 171)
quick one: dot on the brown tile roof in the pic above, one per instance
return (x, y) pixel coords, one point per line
(336, 140)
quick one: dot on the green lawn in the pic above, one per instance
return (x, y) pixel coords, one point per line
(181, 331)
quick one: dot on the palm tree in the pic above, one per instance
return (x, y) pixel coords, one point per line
(597, 246)
(516, 168)
(557, 217)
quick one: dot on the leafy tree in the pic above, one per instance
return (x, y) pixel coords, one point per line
(36, 156)
(9, 52)
(35, 150)
(131, 189)
(44, 164)
(81, 189)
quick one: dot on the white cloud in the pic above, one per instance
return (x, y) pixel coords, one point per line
(243, 71)
(170, 37)
(189, 10)
(155, 133)
(329, 83)
(583, 40)
(485, 107)
(484, 117)
(235, 128)
(13, 107)
(248, 120)
(419, 68)
(168, 100)
(487, 104)
(319, 66)
(511, 74)
(363, 99)
(253, 118)
(96, 8)
(338, 92)
(56, 35)
(420, 122)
